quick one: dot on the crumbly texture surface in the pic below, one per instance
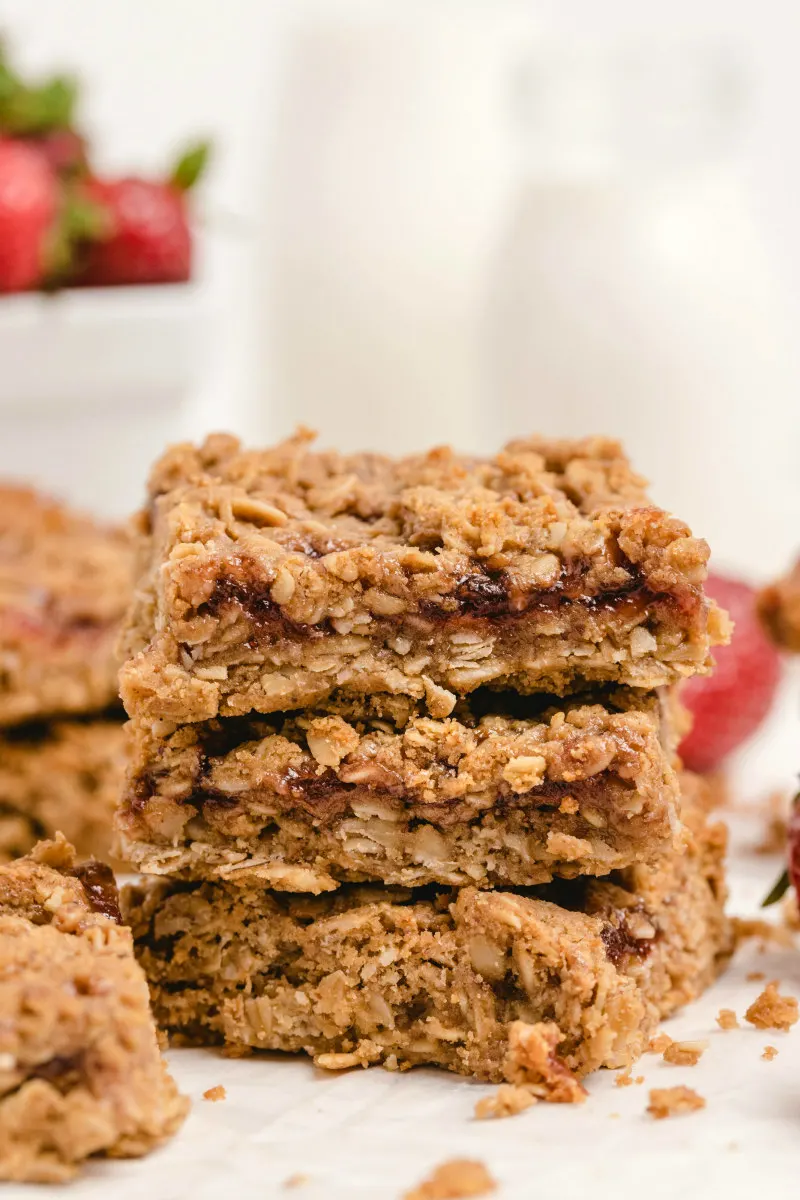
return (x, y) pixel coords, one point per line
(684, 1054)
(464, 979)
(65, 583)
(771, 1010)
(378, 790)
(453, 1180)
(674, 1102)
(272, 578)
(727, 1019)
(508, 1100)
(64, 775)
(80, 1069)
(779, 609)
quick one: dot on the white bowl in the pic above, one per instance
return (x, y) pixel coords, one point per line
(94, 383)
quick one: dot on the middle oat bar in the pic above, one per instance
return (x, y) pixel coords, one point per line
(508, 791)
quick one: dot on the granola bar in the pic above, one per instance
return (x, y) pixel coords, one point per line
(63, 776)
(505, 792)
(272, 578)
(65, 583)
(455, 978)
(80, 1069)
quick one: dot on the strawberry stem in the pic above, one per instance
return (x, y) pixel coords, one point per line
(190, 166)
(778, 891)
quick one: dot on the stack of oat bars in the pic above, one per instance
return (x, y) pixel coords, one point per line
(65, 584)
(404, 756)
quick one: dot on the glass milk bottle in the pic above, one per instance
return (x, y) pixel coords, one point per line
(632, 294)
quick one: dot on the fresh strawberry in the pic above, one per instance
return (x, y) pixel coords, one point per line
(148, 239)
(28, 209)
(64, 149)
(729, 705)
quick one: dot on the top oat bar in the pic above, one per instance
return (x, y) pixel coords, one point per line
(65, 583)
(272, 577)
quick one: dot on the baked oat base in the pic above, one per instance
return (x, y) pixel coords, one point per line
(382, 975)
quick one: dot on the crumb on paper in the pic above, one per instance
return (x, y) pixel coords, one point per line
(215, 1093)
(727, 1019)
(771, 1010)
(531, 1060)
(295, 1181)
(453, 1180)
(338, 1062)
(755, 976)
(674, 1102)
(685, 1054)
(614, 1116)
(754, 927)
(624, 1079)
(508, 1100)
(659, 1043)
(770, 1052)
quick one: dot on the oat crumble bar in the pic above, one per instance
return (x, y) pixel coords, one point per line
(272, 578)
(508, 791)
(63, 776)
(80, 1069)
(372, 974)
(65, 583)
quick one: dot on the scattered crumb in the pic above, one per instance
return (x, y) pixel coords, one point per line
(755, 976)
(295, 1181)
(776, 810)
(639, 1079)
(531, 1060)
(673, 1102)
(685, 1054)
(727, 1019)
(615, 1115)
(769, 1053)
(338, 1062)
(771, 1010)
(215, 1093)
(744, 928)
(507, 1101)
(454, 1179)
(624, 1079)
(659, 1043)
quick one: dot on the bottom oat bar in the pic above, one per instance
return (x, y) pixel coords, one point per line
(370, 974)
(62, 776)
(80, 1068)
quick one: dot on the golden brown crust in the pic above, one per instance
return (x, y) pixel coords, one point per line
(376, 789)
(272, 578)
(63, 776)
(80, 1068)
(371, 974)
(65, 583)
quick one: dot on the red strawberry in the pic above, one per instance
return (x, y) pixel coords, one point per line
(148, 239)
(28, 208)
(64, 149)
(729, 705)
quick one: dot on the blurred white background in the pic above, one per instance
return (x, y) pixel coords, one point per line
(384, 262)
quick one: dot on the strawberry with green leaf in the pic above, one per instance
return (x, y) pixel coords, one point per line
(147, 236)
